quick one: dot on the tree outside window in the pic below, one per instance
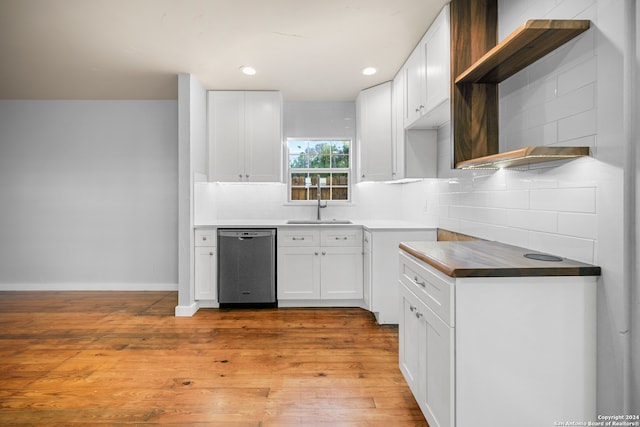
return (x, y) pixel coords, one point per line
(328, 160)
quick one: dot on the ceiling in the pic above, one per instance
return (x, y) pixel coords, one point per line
(311, 50)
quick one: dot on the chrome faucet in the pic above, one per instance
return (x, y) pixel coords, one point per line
(320, 205)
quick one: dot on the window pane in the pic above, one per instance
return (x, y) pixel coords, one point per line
(340, 161)
(340, 179)
(305, 156)
(340, 147)
(297, 179)
(340, 194)
(298, 194)
(299, 161)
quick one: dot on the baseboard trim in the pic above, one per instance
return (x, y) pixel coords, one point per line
(186, 310)
(82, 286)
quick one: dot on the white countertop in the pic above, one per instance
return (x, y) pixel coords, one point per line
(273, 223)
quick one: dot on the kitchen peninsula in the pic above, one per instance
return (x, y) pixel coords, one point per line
(479, 313)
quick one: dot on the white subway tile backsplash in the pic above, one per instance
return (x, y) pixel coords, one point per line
(533, 220)
(493, 181)
(564, 200)
(564, 246)
(578, 126)
(511, 236)
(578, 225)
(540, 92)
(570, 9)
(580, 75)
(480, 215)
(577, 173)
(508, 199)
(571, 103)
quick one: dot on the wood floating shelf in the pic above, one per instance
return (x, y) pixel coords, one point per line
(524, 157)
(530, 42)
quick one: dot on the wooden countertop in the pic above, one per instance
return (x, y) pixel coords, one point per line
(492, 259)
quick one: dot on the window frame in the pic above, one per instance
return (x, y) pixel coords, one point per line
(319, 171)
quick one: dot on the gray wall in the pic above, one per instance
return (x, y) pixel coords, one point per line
(88, 191)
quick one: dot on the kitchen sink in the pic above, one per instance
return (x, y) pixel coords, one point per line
(319, 221)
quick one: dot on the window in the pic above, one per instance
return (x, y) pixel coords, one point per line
(310, 159)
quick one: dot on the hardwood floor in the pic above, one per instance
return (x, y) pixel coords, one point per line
(110, 358)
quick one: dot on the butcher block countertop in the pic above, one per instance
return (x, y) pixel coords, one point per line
(483, 258)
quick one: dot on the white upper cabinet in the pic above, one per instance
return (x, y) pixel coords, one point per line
(373, 118)
(245, 136)
(427, 77)
(415, 151)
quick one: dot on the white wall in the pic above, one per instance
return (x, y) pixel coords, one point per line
(88, 191)
(192, 167)
(228, 201)
(573, 96)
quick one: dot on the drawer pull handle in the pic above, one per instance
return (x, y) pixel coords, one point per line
(297, 238)
(415, 279)
(412, 308)
(210, 253)
(316, 253)
(418, 314)
(342, 238)
(204, 238)
(324, 253)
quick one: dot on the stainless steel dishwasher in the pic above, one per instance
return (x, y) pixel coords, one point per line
(247, 267)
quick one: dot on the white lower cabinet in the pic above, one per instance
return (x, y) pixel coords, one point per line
(426, 358)
(298, 272)
(497, 351)
(320, 264)
(205, 265)
(341, 273)
(381, 293)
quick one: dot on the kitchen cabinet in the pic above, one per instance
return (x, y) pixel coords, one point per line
(380, 275)
(320, 264)
(468, 344)
(427, 77)
(205, 265)
(245, 136)
(413, 151)
(373, 118)
(426, 358)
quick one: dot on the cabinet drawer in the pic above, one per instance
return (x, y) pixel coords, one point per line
(303, 236)
(205, 237)
(430, 286)
(351, 237)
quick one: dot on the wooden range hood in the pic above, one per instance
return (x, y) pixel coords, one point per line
(524, 157)
(478, 65)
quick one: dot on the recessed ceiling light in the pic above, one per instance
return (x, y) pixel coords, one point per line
(369, 71)
(249, 71)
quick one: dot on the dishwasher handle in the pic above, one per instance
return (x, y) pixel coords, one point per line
(246, 234)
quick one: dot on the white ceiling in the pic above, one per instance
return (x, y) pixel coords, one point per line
(312, 50)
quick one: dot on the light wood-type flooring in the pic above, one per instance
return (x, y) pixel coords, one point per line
(112, 358)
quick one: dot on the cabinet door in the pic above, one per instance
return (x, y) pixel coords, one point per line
(263, 136)
(298, 273)
(225, 112)
(409, 333)
(426, 357)
(367, 276)
(436, 368)
(341, 273)
(427, 77)
(397, 126)
(414, 84)
(374, 133)
(437, 58)
(205, 273)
